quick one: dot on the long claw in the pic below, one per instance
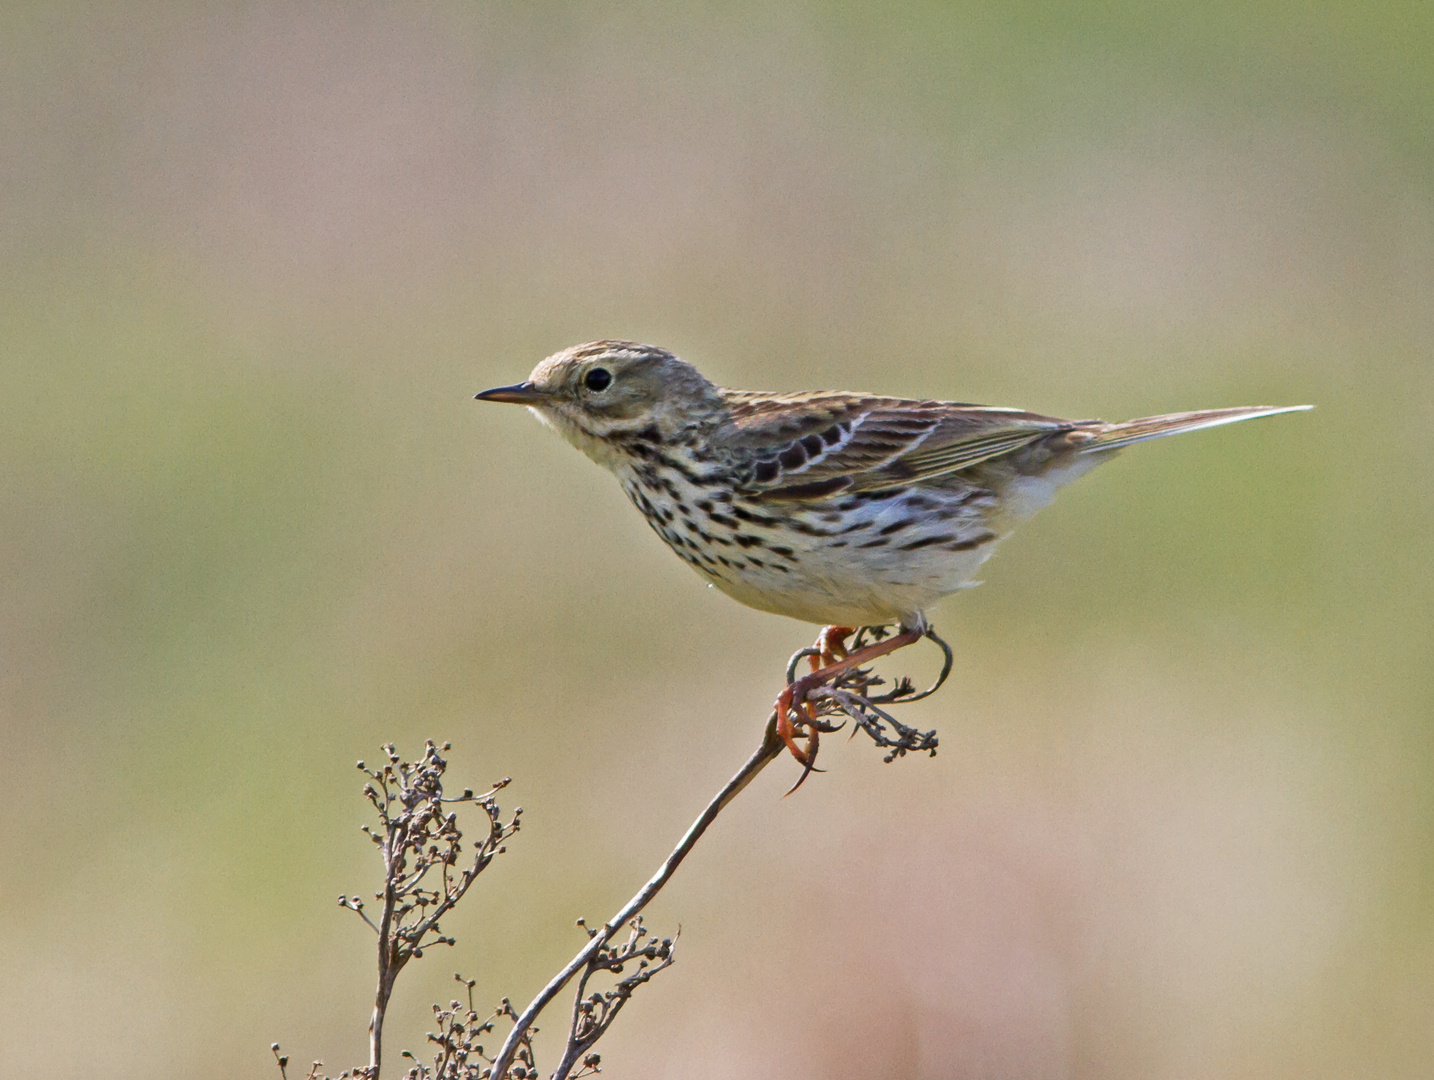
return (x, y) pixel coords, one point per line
(809, 761)
(831, 643)
(784, 724)
(807, 771)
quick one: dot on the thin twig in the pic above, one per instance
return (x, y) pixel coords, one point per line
(416, 837)
(594, 1013)
(770, 748)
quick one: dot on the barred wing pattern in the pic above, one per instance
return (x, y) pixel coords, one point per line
(815, 445)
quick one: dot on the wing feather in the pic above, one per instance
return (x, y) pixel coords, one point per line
(817, 445)
(962, 453)
(813, 446)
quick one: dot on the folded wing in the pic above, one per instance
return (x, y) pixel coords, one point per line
(814, 446)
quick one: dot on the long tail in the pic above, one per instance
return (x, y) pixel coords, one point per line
(1114, 436)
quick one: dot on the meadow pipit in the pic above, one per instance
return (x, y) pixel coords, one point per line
(843, 509)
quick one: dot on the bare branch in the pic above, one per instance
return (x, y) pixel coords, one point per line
(771, 746)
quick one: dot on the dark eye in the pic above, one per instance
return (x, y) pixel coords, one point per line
(598, 379)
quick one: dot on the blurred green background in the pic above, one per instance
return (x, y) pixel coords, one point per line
(255, 259)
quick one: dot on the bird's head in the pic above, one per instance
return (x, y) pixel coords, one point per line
(604, 395)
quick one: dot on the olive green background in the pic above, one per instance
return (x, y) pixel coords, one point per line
(255, 259)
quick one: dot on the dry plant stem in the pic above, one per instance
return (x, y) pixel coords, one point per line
(770, 748)
(593, 1014)
(387, 972)
(419, 836)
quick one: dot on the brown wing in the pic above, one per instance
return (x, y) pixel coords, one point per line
(814, 445)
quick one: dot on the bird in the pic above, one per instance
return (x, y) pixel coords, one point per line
(837, 508)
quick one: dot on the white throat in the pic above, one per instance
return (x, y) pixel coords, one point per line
(601, 452)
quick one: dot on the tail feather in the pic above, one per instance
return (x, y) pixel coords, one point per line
(1114, 436)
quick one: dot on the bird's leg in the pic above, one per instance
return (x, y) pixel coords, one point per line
(794, 696)
(787, 730)
(830, 648)
(831, 643)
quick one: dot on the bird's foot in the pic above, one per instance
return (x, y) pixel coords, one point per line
(792, 702)
(831, 646)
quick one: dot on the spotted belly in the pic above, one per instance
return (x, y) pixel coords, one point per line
(873, 557)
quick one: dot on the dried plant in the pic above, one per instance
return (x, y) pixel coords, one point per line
(420, 843)
(594, 1013)
(459, 1055)
(419, 840)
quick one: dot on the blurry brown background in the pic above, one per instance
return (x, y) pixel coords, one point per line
(255, 259)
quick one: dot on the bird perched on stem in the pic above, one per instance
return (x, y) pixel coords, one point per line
(844, 509)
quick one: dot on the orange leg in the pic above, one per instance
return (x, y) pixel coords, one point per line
(831, 648)
(832, 643)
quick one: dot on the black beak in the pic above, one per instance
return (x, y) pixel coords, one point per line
(523, 393)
